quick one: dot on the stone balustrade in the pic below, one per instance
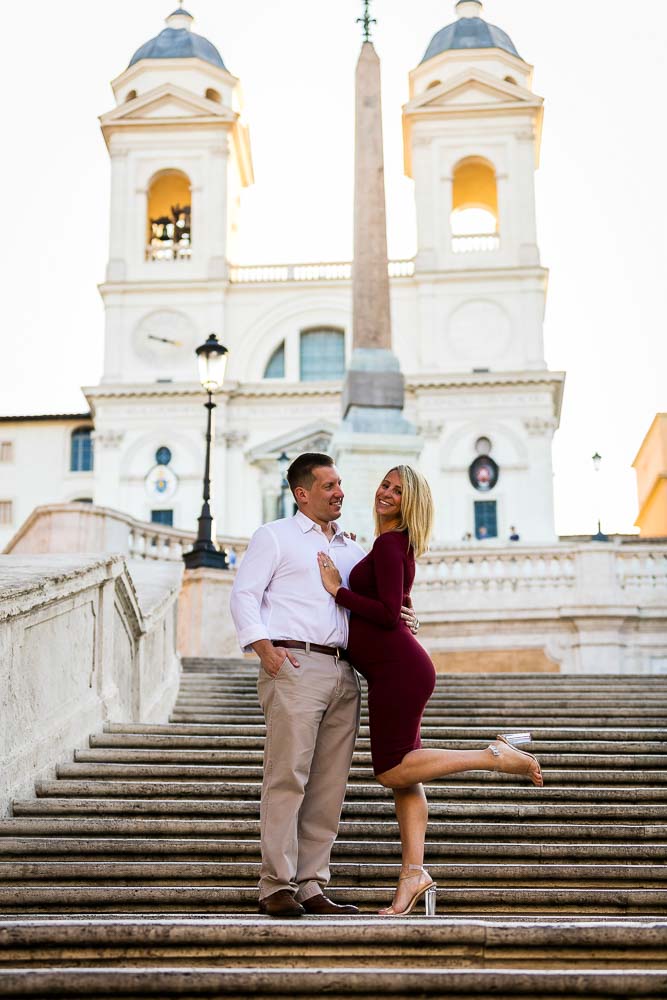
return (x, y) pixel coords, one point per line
(83, 640)
(332, 271)
(572, 572)
(82, 527)
(585, 607)
(570, 606)
(476, 243)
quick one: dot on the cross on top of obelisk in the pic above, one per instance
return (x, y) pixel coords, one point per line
(366, 21)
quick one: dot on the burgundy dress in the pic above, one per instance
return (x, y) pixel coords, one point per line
(399, 672)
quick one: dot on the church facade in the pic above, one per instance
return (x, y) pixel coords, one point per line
(467, 312)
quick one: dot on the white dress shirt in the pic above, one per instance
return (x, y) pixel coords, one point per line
(278, 592)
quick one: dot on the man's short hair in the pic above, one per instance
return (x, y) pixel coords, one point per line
(300, 472)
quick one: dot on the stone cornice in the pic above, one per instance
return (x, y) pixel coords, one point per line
(414, 383)
(192, 390)
(466, 380)
(174, 286)
(174, 65)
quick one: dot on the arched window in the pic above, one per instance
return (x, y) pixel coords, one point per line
(213, 95)
(322, 354)
(276, 366)
(131, 94)
(81, 450)
(474, 219)
(169, 222)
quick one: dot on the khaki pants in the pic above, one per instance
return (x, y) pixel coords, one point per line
(312, 718)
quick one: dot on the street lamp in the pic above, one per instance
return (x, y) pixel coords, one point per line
(599, 537)
(283, 465)
(212, 359)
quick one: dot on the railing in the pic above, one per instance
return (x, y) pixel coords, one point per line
(477, 243)
(561, 574)
(334, 271)
(638, 569)
(168, 250)
(81, 527)
(500, 571)
(150, 541)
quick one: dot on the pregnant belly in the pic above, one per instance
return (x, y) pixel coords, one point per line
(375, 651)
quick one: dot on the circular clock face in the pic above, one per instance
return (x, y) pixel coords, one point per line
(165, 338)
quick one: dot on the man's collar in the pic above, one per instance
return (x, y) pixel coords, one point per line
(307, 524)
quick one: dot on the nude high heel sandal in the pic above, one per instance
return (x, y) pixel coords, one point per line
(428, 891)
(511, 740)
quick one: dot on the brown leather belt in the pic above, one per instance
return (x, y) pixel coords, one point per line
(311, 647)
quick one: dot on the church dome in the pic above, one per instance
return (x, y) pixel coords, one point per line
(471, 31)
(178, 41)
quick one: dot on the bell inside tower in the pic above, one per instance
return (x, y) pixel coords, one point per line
(169, 217)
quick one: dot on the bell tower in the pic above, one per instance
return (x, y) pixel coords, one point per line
(472, 131)
(180, 156)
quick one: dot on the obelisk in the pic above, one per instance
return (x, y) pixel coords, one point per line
(374, 435)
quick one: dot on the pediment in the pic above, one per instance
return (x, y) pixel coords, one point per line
(166, 102)
(311, 437)
(473, 88)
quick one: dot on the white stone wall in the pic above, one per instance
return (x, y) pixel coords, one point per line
(81, 642)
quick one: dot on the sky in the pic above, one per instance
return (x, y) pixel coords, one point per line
(602, 230)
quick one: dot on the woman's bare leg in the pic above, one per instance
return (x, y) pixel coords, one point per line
(412, 816)
(425, 765)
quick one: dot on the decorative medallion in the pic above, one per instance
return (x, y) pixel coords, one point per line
(483, 473)
(161, 483)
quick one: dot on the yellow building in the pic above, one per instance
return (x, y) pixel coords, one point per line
(651, 467)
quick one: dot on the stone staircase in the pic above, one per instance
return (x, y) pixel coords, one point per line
(133, 873)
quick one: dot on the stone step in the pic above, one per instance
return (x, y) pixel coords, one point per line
(249, 807)
(115, 797)
(550, 755)
(580, 769)
(482, 683)
(335, 983)
(528, 829)
(232, 873)
(632, 704)
(415, 941)
(246, 680)
(194, 791)
(71, 847)
(442, 697)
(248, 730)
(465, 900)
(632, 812)
(154, 820)
(501, 723)
(175, 735)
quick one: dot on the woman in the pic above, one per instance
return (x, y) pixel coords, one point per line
(401, 676)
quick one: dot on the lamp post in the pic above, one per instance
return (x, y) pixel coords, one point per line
(599, 536)
(283, 465)
(212, 358)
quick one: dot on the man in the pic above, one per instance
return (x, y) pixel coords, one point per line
(307, 688)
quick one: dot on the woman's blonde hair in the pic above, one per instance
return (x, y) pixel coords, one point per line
(416, 509)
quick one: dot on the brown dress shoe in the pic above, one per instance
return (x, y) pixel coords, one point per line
(321, 905)
(281, 904)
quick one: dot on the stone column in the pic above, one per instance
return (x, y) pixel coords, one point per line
(373, 436)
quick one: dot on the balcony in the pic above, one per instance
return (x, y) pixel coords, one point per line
(245, 274)
(476, 243)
